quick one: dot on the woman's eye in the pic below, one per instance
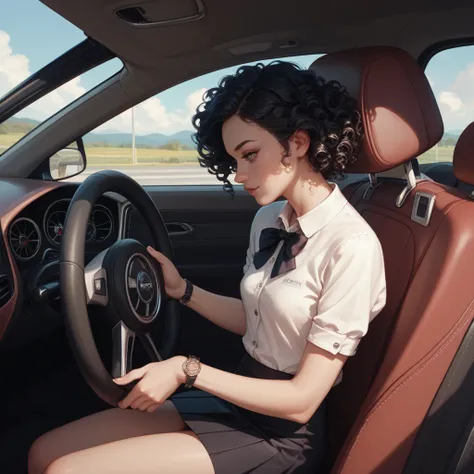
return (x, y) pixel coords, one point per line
(250, 156)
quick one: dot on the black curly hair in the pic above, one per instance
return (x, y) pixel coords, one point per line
(281, 98)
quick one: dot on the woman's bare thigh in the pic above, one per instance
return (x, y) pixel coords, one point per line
(168, 453)
(101, 428)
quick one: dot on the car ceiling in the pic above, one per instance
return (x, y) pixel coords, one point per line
(266, 28)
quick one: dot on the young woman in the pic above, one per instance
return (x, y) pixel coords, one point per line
(313, 281)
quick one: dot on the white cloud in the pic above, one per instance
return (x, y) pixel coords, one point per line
(15, 68)
(450, 99)
(55, 100)
(151, 116)
(457, 102)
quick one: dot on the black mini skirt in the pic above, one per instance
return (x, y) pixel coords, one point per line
(241, 441)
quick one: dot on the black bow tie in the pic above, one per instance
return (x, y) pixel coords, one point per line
(270, 237)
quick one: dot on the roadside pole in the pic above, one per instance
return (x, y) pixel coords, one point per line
(134, 150)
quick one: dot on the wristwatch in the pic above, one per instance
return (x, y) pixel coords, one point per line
(191, 367)
(187, 292)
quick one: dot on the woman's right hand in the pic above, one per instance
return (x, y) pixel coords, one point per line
(175, 285)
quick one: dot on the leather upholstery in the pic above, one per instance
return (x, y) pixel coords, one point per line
(410, 345)
(400, 114)
(463, 159)
(388, 386)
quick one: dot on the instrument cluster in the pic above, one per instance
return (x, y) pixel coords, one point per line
(38, 230)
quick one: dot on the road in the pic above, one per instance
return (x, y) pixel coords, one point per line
(170, 175)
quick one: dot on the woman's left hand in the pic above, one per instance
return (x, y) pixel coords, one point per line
(158, 381)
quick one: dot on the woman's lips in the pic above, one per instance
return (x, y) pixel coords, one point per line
(251, 190)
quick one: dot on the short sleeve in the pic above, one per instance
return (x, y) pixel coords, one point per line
(353, 292)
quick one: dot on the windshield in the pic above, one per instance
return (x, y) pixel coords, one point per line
(22, 53)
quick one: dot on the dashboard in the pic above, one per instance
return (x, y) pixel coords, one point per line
(32, 217)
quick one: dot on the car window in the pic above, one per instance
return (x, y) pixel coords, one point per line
(451, 75)
(151, 142)
(21, 56)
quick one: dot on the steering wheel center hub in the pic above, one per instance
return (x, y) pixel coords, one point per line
(135, 285)
(145, 287)
(142, 288)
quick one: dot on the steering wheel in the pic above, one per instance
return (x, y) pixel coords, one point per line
(124, 279)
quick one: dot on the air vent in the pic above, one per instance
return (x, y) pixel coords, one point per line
(5, 290)
(25, 238)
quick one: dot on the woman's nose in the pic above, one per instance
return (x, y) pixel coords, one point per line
(240, 176)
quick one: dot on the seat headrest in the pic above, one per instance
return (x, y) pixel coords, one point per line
(400, 114)
(463, 157)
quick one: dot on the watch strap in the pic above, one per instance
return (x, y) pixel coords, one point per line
(190, 379)
(187, 292)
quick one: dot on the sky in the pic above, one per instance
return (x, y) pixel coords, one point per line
(450, 73)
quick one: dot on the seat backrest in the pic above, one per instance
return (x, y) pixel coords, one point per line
(463, 159)
(428, 242)
(448, 429)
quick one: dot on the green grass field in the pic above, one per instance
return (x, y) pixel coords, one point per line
(122, 156)
(145, 156)
(441, 153)
(8, 139)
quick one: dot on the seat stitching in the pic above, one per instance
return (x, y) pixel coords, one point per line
(417, 372)
(401, 386)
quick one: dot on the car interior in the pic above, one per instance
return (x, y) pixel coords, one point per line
(404, 405)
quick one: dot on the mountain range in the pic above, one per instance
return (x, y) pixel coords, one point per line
(153, 140)
(123, 139)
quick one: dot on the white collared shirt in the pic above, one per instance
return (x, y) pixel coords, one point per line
(329, 299)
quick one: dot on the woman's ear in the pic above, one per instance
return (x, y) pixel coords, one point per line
(299, 143)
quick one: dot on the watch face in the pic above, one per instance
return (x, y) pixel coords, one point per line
(192, 367)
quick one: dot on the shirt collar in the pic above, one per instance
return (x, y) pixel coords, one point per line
(319, 216)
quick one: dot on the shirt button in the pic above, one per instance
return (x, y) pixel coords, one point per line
(260, 285)
(272, 259)
(254, 343)
(336, 345)
(255, 312)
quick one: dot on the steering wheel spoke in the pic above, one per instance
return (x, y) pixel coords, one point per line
(95, 277)
(123, 341)
(150, 348)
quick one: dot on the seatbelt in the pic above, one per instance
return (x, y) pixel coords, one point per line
(445, 441)
(463, 461)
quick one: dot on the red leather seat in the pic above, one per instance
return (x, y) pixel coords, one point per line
(388, 386)
(463, 160)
